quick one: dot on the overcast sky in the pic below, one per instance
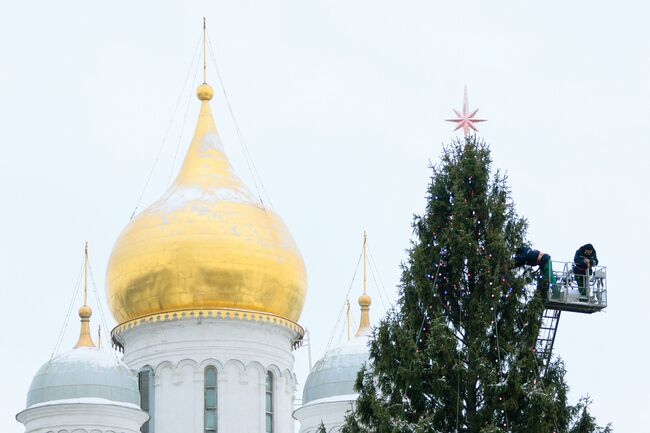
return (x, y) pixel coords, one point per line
(342, 105)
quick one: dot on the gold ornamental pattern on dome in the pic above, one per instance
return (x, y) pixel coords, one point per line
(205, 244)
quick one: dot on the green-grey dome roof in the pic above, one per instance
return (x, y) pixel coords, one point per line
(81, 373)
(335, 374)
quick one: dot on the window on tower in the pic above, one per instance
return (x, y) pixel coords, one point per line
(269, 402)
(210, 400)
(145, 385)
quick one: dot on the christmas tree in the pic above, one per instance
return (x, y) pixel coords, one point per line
(457, 353)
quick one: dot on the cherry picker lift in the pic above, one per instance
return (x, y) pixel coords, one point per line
(567, 296)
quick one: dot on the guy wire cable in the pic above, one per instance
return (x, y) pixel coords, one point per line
(102, 318)
(180, 134)
(169, 126)
(382, 287)
(247, 156)
(344, 302)
(67, 316)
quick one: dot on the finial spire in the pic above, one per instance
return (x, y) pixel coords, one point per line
(85, 340)
(205, 91)
(364, 300)
(86, 273)
(347, 301)
(205, 80)
(365, 238)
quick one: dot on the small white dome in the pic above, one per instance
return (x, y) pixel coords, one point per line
(83, 372)
(335, 374)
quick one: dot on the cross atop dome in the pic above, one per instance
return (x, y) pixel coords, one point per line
(465, 119)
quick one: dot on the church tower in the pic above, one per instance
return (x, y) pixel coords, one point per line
(207, 286)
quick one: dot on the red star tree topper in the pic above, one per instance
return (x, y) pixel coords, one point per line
(466, 119)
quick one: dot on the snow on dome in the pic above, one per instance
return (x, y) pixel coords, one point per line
(84, 372)
(334, 375)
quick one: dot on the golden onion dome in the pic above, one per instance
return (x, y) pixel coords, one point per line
(205, 244)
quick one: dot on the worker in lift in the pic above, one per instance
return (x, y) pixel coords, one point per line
(531, 257)
(583, 262)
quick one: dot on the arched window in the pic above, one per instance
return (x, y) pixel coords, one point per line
(210, 400)
(145, 385)
(269, 402)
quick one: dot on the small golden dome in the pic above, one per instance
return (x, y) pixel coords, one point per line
(205, 92)
(85, 312)
(205, 244)
(364, 320)
(85, 340)
(365, 300)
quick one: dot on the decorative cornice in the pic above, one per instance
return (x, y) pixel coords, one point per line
(207, 313)
(84, 409)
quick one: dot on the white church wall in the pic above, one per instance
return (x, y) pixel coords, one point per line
(82, 418)
(330, 412)
(242, 351)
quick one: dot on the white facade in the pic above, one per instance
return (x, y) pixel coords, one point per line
(330, 411)
(241, 349)
(82, 416)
